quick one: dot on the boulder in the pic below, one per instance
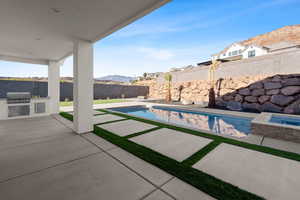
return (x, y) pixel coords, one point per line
(251, 107)
(228, 97)
(244, 91)
(272, 85)
(269, 107)
(290, 90)
(257, 85)
(258, 92)
(186, 102)
(276, 78)
(281, 99)
(233, 105)
(272, 92)
(293, 108)
(238, 98)
(291, 81)
(221, 103)
(263, 99)
(251, 99)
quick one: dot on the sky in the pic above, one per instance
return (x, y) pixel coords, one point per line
(181, 33)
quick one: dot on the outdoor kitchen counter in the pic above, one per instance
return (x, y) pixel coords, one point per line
(33, 102)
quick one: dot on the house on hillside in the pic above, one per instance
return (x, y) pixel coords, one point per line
(238, 51)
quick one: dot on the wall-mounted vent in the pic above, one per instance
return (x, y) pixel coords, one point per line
(39, 107)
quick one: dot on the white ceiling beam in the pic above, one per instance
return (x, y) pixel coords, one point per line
(24, 60)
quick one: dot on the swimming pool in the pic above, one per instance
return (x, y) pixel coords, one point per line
(217, 123)
(285, 120)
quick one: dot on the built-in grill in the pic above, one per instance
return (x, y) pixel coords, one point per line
(18, 97)
(18, 103)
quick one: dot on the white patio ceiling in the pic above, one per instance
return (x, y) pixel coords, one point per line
(37, 31)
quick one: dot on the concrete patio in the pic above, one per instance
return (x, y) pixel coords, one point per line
(41, 158)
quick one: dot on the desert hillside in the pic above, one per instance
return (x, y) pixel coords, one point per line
(286, 33)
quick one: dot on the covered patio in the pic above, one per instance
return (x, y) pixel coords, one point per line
(90, 152)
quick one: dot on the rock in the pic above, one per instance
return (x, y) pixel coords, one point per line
(293, 108)
(257, 85)
(244, 91)
(228, 97)
(291, 81)
(251, 99)
(290, 90)
(186, 102)
(276, 78)
(263, 99)
(201, 103)
(221, 103)
(272, 85)
(233, 105)
(269, 107)
(238, 98)
(272, 92)
(258, 92)
(281, 99)
(251, 107)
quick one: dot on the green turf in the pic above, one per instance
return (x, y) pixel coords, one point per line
(142, 132)
(201, 153)
(205, 182)
(182, 170)
(264, 149)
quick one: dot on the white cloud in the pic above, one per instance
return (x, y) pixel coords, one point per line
(158, 54)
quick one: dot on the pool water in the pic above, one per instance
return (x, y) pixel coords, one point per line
(217, 123)
(285, 120)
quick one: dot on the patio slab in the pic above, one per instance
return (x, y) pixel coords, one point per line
(98, 119)
(15, 133)
(127, 127)
(174, 144)
(29, 158)
(183, 191)
(282, 145)
(263, 174)
(94, 177)
(158, 195)
(150, 172)
(98, 141)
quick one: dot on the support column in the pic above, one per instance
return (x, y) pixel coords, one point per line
(83, 87)
(53, 86)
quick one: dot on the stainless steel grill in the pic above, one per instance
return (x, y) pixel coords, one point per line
(18, 97)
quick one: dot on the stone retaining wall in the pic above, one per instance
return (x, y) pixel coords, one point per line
(278, 93)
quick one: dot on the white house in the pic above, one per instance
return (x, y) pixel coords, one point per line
(237, 51)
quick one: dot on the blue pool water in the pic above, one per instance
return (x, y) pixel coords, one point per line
(285, 120)
(220, 124)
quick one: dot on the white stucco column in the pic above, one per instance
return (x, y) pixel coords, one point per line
(83, 86)
(53, 86)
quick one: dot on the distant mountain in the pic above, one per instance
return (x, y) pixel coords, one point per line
(116, 78)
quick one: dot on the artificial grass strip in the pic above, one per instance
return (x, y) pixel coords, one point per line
(263, 149)
(213, 186)
(142, 132)
(201, 153)
(66, 115)
(118, 120)
(205, 182)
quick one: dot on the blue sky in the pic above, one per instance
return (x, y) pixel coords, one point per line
(181, 33)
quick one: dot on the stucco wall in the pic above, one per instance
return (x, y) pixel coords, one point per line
(101, 91)
(271, 64)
